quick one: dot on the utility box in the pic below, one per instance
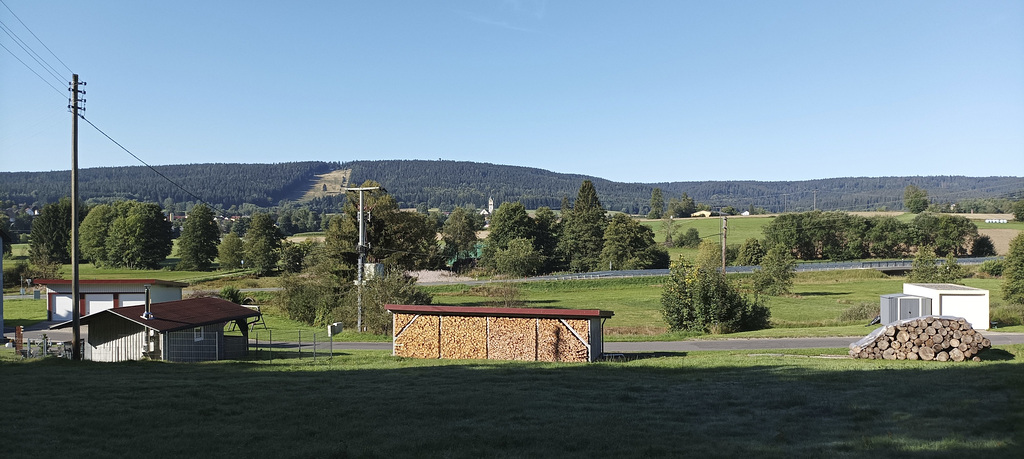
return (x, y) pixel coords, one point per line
(900, 306)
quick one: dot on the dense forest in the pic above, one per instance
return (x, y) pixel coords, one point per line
(455, 183)
(446, 184)
(218, 184)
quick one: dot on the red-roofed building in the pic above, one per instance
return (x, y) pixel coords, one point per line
(178, 331)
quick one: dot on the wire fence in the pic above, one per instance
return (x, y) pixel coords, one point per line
(267, 345)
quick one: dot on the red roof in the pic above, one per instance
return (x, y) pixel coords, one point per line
(501, 312)
(178, 315)
(110, 281)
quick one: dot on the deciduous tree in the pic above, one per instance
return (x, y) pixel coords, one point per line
(93, 234)
(140, 237)
(1013, 271)
(915, 200)
(197, 246)
(628, 244)
(775, 277)
(924, 269)
(459, 236)
(751, 253)
(230, 252)
(703, 300)
(262, 244)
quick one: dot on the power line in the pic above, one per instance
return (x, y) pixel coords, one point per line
(24, 47)
(36, 37)
(61, 93)
(179, 186)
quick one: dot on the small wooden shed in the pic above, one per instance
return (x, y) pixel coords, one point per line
(459, 332)
(177, 331)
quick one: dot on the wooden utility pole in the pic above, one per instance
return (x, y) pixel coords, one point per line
(76, 314)
(725, 230)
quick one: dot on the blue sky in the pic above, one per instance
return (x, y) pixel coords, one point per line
(647, 91)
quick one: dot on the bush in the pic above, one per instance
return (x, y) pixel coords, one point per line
(14, 272)
(702, 299)
(1007, 314)
(861, 311)
(391, 287)
(231, 294)
(312, 300)
(992, 267)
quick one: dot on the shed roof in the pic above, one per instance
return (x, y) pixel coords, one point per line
(177, 315)
(501, 312)
(948, 287)
(110, 281)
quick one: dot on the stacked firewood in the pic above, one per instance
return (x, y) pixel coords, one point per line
(939, 338)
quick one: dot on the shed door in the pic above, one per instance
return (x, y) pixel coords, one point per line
(970, 307)
(62, 308)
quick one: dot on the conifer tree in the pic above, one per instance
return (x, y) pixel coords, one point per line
(583, 231)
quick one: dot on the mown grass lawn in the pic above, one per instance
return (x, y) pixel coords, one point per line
(369, 404)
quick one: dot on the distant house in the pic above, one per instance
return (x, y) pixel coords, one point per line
(177, 331)
(97, 295)
(701, 213)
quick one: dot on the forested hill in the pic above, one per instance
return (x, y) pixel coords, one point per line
(460, 182)
(216, 183)
(453, 183)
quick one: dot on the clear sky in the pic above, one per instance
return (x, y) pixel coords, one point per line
(633, 91)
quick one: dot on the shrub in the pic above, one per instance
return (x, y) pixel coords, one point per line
(992, 267)
(231, 294)
(702, 299)
(864, 310)
(1007, 314)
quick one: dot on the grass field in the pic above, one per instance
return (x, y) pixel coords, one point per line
(369, 404)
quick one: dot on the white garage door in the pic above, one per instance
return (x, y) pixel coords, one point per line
(132, 299)
(62, 308)
(96, 302)
(974, 308)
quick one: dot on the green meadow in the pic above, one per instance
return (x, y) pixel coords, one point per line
(772, 404)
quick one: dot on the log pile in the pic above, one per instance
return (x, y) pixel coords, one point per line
(939, 338)
(556, 343)
(512, 338)
(420, 336)
(502, 338)
(463, 337)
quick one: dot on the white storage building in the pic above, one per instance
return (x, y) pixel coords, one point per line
(955, 300)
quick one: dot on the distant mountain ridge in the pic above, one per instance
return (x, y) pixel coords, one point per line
(453, 183)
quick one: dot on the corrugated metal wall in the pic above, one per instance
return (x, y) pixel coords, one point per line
(115, 340)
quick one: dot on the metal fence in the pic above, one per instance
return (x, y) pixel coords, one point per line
(35, 348)
(267, 345)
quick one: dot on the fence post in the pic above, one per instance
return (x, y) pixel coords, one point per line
(270, 346)
(300, 344)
